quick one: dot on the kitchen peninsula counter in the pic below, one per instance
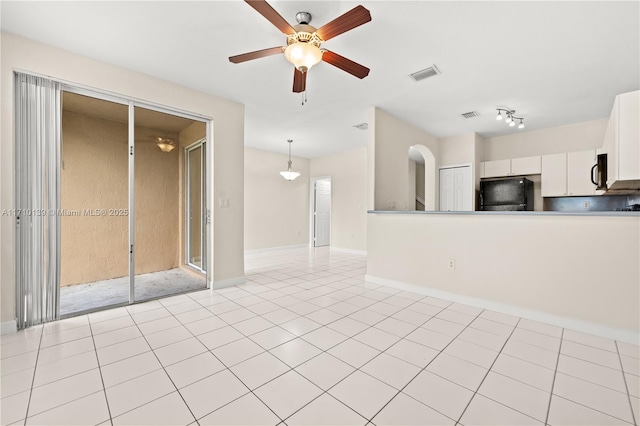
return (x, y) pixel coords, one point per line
(575, 269)
(511, 213)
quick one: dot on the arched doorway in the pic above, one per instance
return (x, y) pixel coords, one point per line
(425, 188)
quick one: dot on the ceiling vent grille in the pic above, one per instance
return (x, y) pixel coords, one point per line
(425, 73)
(470, 114)
(362, 126)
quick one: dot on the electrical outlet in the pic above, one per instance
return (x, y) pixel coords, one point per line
(452, 264)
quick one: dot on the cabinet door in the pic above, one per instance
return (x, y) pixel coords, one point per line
(629, 136)
(525, 165)
(612, 143)
(579, 166)
(497, 168)
(554, 175)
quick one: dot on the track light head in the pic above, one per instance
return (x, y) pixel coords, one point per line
(509, 119)
(499, 116)
(521, 125)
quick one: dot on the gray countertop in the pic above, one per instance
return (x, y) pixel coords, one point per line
(511, 213)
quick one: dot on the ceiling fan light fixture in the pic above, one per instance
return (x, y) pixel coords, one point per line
(303, 55)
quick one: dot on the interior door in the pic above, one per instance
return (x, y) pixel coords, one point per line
(455, 189)
(322, 213)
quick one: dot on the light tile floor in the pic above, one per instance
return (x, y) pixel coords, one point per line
(307, 341)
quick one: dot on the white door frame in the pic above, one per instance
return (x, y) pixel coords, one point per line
(132, 103)
(312, 196)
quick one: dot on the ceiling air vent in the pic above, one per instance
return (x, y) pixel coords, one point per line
(425, 73)
(470, 114)
(361, 126)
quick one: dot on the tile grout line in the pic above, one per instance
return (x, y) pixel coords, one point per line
(163, 369)
(35, 369)
(626, 386)
(553, 382)
(595, 384)
(427, 365)
(226, 367)
(359, 368)
(104, 388)
(487, 373)
(300, 336)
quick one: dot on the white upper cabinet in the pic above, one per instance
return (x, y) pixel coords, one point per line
(554, 175)
(512, 167)
(526, 165)
(622, 139)
(497, 168)
(568, 174)
(579, 166)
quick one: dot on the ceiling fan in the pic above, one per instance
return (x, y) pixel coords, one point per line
(303, 42)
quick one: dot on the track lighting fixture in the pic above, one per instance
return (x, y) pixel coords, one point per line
(511, 118)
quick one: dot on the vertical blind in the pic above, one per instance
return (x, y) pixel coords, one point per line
(37, 199)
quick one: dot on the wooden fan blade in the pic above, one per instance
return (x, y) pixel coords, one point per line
(354, 18)
(345, 64)
(265, 9)
(299, 81)
(255, 55)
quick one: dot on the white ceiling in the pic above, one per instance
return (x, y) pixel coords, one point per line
(553, 62)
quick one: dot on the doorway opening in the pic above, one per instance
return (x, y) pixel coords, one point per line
(320, 200)
(125, 183)
(421, 179)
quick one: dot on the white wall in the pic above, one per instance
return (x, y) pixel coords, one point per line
(572, 137)
(348, 171)
(582, 267)
(389, 143)
(276, 211)
(228, 145)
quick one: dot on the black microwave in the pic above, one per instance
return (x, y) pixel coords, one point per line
(599, 173)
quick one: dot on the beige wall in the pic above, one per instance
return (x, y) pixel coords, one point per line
(227, 255)
(457, 150)
(348, 171)
(572, 137)
(389, 143)
(95, 176)
(276, 210)
(420, 179)
(582, 267)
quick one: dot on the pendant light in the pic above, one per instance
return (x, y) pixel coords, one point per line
(289, 174)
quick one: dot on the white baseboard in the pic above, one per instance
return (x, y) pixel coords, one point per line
(622, 335)
(8, 327)
(229, 282)
(268, 249)
(351, 251)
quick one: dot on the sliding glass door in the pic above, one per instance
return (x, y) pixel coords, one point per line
(196, 206)
(159, 269)
(94, 228)
(133, 208)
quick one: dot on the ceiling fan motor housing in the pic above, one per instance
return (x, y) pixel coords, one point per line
(303, 17)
